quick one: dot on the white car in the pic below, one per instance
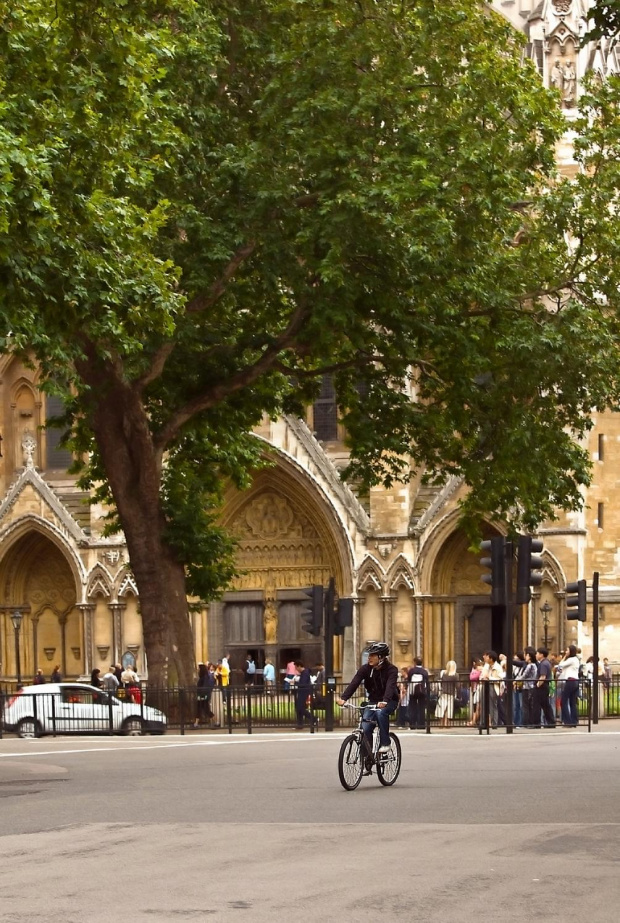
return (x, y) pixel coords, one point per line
(70, 708)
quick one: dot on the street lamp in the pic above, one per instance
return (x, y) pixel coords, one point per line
(545, 610)
(16, 618)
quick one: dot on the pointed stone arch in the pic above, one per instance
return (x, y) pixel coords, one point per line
(401, 574)
(41, 575)
(288, 535)
(127, 587)
(31, 524)
(370, 574)
(100, 583)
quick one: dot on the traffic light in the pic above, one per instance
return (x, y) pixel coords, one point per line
(496, 563)
(344, 615)
(529, 560)
(312, 610)
(576, 605)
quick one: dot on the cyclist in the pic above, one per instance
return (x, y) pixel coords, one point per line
(380, 678)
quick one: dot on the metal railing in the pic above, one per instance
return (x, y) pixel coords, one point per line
(481, 706)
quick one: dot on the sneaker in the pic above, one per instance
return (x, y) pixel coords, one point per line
(385, 748)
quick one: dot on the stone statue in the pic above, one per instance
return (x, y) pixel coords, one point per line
(570, 84)
(557, 76)
(270, 620)
(29, 447)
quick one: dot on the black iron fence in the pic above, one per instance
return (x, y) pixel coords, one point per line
(481, 706)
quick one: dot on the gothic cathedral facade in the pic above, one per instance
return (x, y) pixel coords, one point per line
(399, 552)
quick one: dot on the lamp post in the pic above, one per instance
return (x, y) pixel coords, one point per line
(16, 618)
(545, 610)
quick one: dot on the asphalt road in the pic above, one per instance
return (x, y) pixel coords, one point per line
(522, 826)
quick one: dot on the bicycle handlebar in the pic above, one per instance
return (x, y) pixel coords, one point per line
(360, 707)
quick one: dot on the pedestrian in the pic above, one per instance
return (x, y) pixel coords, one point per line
(402, 714)
(474, 677)
(110, 681)
(418, 694)
(269, 677)
(449, 679)
(569, 671)
(250, 670)
(529, 677)
(204, 691)
(94, 678)
(224, 672)
(290, 676)
(56, 676)
(318, 692)
(542, 689)
(118, 672)
(39, 679)
(518, 666)
(303, 696)
(131, 681)
(492, 674)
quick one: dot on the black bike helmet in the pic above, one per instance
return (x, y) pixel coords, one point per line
(380, 648)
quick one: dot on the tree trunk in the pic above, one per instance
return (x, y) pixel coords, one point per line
(123, 436)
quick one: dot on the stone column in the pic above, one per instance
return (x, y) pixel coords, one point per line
(88, 641)
(116, 610)
(388, 620)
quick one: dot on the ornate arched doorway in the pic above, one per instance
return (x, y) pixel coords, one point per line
(37, 580)
(288, 540)
(459, 621)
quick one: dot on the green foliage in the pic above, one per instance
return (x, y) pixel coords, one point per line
(204, 205)
(604, 19)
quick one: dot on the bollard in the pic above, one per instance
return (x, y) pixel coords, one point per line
(248, 706)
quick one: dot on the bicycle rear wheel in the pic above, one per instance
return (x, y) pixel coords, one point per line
(350, 763)
(388, 764)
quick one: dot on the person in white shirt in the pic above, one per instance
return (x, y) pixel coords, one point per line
(569, 672)
(493, 674)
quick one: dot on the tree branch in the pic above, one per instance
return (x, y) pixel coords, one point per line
(156, 368)
(205, 301)
(241, 379)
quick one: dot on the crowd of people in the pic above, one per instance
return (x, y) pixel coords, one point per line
(546, 689)
(305, 687)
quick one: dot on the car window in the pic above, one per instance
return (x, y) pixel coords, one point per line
(77, 696)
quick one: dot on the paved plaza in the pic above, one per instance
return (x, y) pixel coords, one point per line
(258, 829)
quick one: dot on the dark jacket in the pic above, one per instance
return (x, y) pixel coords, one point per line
(381, 683)
(419, 687)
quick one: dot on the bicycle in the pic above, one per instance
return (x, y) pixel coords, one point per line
(357, 758)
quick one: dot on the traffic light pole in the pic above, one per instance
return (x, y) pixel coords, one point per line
(509, 632)
(329, 656)
(595, 621)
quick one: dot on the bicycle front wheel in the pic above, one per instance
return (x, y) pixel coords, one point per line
(350, 763)
(388, 764)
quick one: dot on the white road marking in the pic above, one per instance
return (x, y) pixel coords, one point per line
(135, 747)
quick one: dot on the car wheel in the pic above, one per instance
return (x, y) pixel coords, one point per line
(28, 728)
(133, 727)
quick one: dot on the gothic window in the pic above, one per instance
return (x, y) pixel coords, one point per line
(325, 412)
(55, 456)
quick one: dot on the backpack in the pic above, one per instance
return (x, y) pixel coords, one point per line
(250, 667)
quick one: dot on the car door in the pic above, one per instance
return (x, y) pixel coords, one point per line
(83, 709)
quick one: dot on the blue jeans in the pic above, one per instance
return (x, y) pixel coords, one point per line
(570, 690)
(382, 716)
(517, 710)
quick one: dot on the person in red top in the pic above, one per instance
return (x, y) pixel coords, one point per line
(380, 678)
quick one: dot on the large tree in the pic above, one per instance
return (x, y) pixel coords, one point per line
(204, 206)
